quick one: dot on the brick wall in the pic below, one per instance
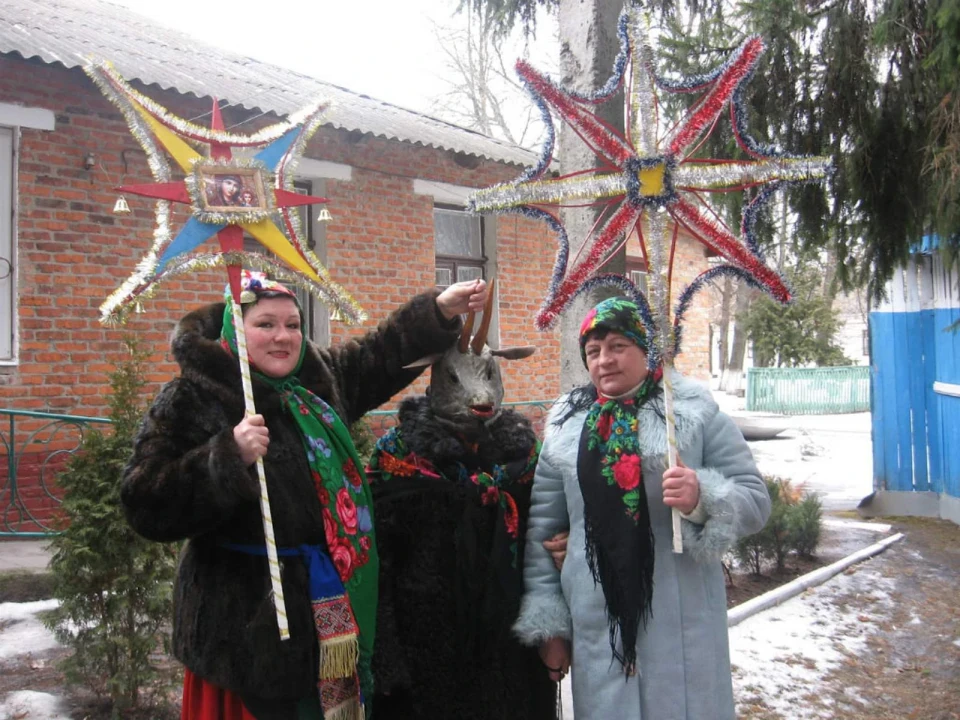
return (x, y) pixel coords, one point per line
(72, 251)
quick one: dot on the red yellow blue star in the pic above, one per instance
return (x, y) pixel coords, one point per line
(228, 196)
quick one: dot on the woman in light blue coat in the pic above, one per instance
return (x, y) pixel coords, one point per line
(644, 630)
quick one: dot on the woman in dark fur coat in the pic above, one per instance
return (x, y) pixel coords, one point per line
(451, 486)
(192, 477)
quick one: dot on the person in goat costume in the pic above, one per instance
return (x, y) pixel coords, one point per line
(451, 486)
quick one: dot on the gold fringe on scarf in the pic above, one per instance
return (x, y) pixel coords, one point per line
(338, 657)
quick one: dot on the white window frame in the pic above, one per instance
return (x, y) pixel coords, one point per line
(317, 172)
(455, 262)
(8, 245)
(447, 194)
(12, 119)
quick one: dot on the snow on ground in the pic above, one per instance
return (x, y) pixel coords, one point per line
(21, 631)
(782, 655)
(29, 705)
(828, 454)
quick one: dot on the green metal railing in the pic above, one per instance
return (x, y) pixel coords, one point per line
(36, 445)
(809, 391)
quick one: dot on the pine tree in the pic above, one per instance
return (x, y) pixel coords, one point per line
(801, 333)
(114, 587)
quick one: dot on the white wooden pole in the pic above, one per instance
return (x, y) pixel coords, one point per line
(272, 561)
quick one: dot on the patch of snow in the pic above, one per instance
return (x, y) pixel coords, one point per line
(22, 632)
(856, 697)
(20, 611)
(829, 459)
(29, 705)
(855, 525)
(782, 655)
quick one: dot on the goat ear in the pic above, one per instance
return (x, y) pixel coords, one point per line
(425, 361)
(515, 353)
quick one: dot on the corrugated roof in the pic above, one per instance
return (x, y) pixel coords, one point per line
(70, 31)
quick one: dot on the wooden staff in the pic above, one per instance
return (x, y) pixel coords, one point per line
(664, 343)
(272, 561)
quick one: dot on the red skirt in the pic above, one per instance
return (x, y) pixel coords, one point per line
(205, 701)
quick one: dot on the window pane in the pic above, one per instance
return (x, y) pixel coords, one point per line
(7, 279)
(468, 272)
(639, 278)
(457, 233)
(444, 277)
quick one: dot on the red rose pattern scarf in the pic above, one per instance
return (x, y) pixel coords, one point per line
(619, 539)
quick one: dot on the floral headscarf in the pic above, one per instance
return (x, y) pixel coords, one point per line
(614, 315)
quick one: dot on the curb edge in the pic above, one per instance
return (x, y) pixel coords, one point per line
(741, 612)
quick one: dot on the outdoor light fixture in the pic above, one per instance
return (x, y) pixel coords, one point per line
(324, 216)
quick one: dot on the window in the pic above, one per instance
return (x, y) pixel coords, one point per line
(465, 247)
(8, 279)
(459, 242)
(637, 273)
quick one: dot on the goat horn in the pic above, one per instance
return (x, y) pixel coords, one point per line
(464, 342)
(480, 339)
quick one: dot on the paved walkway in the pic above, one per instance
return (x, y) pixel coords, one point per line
(24, 555)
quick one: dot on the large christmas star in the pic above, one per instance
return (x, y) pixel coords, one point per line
(228, 196)
(646, 177)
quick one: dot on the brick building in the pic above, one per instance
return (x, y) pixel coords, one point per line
(397, 182)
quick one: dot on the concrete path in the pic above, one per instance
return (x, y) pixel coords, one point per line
(24, 555)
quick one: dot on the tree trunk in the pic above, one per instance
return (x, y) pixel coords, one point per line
(829, 290)
(725, 299)
(733, 381)
(588, 47)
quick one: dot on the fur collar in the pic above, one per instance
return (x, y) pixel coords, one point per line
(694, 406)
(508, 438)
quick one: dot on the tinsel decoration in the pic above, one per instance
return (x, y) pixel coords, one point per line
(646, 181)
(262, 207)
(209, 135)
(644, 177)
(686, 297)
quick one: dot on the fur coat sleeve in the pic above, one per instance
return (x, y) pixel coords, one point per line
(187, 465)
(370, 370)
(733, 497)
